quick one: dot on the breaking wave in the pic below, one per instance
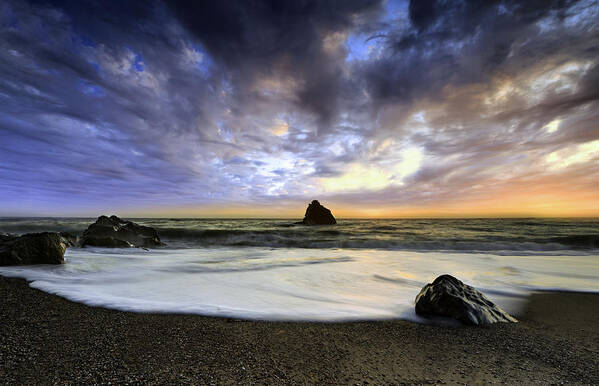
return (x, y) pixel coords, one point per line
(274, 239)
(497, 236)
(294, 283)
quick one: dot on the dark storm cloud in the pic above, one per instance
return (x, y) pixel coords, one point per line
(460, 42)
(75, 101)
(182, 102)
(257, 38)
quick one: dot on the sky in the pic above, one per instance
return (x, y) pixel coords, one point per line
(254, 108)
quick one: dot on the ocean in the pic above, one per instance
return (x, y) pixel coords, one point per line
(271, 269)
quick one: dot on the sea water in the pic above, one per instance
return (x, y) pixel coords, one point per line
(355, 270)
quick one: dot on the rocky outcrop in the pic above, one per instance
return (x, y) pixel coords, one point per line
(317, 214)
(32, 248)
(69, 239)
(448, 296)
(113, 232)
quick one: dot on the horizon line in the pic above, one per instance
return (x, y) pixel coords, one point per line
(338, 218)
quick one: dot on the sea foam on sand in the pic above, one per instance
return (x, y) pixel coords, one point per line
(295, 284)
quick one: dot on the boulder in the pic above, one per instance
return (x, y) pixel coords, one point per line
(113, 232)
(448, 296)
(69, 239)
(317, 214)
(32, 248)
(6, 237)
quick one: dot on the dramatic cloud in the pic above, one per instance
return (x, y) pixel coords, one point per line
(244, 107)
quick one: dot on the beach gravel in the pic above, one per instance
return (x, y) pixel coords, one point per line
(45, 339)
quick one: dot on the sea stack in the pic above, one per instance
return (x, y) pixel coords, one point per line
(113, 232)
(317, 214)
(32, 248)
(448, 296)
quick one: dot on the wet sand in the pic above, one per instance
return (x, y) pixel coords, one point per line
(46, 339)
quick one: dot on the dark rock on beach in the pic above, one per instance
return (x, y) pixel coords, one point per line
(32, 248)
(69, 239)
(317, 214)
(448, 296)
(113, 232)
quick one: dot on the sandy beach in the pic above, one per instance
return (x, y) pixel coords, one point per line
(47, 340)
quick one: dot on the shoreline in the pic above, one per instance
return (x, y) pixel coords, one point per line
(48, 339)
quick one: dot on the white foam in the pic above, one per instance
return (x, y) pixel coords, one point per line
(294, 284)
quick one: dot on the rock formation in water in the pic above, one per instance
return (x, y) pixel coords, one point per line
(69, 239)
(317, 214)
(448, 296)
(113, 232)
(32, 248)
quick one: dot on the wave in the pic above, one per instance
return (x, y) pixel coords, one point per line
(400, 281)
(293, 284)
(578, 241)
(497, 236)
(21, 226)
(327, 238)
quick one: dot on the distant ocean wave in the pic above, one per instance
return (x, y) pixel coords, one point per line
(579, 241)
(375, 238)
(497, 236)
(32, 225)
(214, 238)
